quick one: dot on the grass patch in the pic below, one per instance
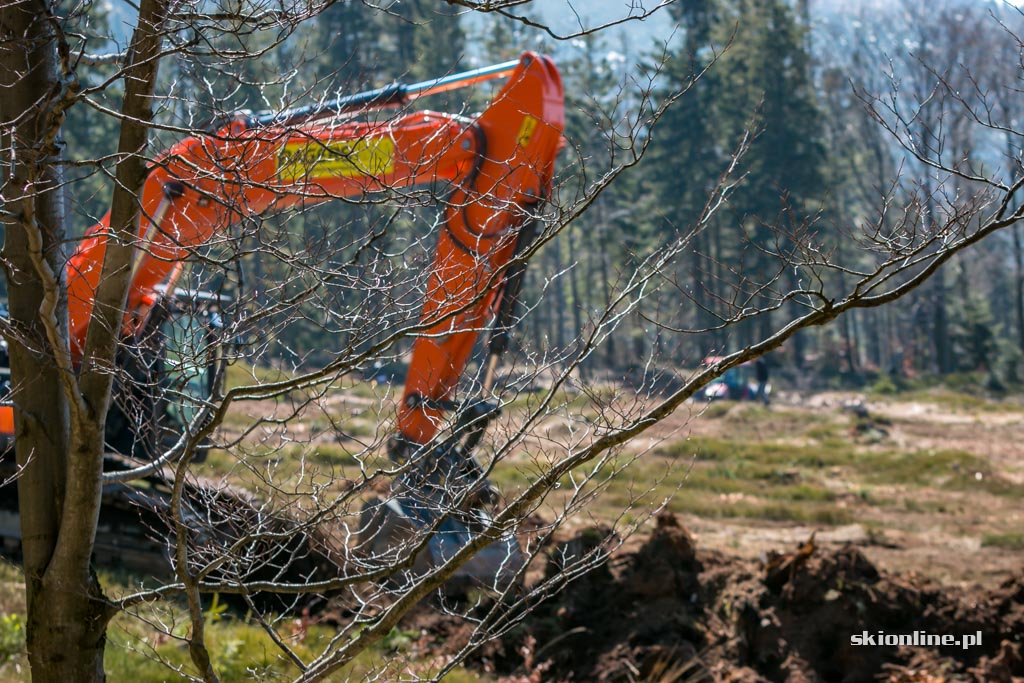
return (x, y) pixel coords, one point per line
(511, 478)
(242, 651)
(925, 506)
(1007, 541)
(960, 402)
(242, 374)
(582, 401)
(717, 410)
(12, 590)
(950, 469)
(829, 433)
(351, 429)
(716, 490)
(326, 454)
(770, 453)
(719, 507)
(755, 480)
(240, 648)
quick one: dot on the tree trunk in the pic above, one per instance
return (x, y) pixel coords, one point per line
(1018, 276)
(560, 302)
(940, 325)
(60, 408)
(577, 300)
(66, 614)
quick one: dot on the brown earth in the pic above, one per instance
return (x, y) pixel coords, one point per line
(924, 529)
(672, 611)
(741, 600)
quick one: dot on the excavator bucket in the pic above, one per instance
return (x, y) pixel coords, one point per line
(439, 503)
(397, 527)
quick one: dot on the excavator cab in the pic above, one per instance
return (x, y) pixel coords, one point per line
(176, 364)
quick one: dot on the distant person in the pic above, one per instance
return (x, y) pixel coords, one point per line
(761, 373)
(896, 369)
(733, 385)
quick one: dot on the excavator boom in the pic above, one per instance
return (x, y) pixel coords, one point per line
(500, 165)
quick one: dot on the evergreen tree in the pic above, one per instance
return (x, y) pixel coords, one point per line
(766, 86)
(685, 159)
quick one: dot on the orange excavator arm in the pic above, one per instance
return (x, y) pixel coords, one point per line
(500, 166)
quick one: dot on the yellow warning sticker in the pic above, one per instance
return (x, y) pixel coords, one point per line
(312, 159)
(526, 131)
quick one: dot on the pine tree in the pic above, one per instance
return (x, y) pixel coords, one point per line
(685, 157)
(767, 87)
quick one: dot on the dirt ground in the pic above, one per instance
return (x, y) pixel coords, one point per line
(741, 599)
(950, 534)
(674, 611)
(791, 529)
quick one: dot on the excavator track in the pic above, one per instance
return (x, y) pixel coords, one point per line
(136, 535)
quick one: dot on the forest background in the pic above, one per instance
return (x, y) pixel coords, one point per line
(800, 75)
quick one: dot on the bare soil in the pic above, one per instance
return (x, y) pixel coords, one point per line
(742, 599)
(673, 611)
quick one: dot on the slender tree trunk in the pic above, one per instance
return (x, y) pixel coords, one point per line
(940, 325)
(939, 314)
(60, 409)
(698, 276)
(846, 325)
(1018, 276)
(577, 300)
(66, 612)
(604, 260)
(559, 287)
(717, 287)
(1017, 235)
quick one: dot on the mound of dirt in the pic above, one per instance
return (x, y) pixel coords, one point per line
(672, 612)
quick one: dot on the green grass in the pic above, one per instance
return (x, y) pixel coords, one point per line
(580, 403)
(240, 648)
(784, 465)
(242, 374)
(764, 453)
(711, 489)
(717, 410)
(714, 507)
(326, 454)
(950, 469)
(1007, 541)
(828, 433)
(359, 429)
(752, 479)
(929, 507)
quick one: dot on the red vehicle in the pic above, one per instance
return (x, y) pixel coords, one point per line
(499, 167)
